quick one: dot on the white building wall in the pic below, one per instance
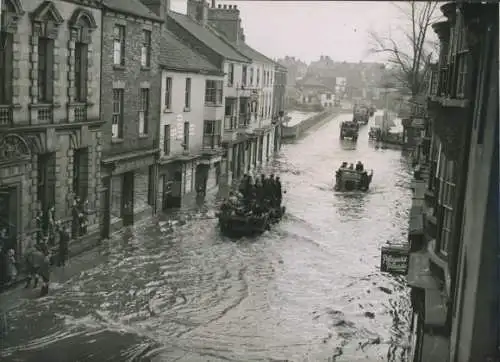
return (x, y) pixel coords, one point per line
(177, 115)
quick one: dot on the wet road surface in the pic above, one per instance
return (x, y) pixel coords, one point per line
(308, 290)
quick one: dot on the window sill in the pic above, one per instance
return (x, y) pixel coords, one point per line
(145, 69)
(117, 140)
(118, 67)
(213, 104)
(186, 109)
(167, 110)
(11, 106)
(44, 105)
(143, 136)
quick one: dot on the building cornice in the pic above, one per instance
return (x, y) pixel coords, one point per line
(192, 71)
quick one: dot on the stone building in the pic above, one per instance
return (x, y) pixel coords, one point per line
(131, 107)
(50, 125)
(191, 124)
(453, 267)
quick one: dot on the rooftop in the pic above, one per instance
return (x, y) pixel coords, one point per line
(207, 37)
(176, 55)
(132, 7)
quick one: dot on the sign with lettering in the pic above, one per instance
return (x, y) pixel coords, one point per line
(179, 134)
(394, 259)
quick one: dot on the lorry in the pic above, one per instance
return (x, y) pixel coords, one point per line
(361, 114)
(349, 129)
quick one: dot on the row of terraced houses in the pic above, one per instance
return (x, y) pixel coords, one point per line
(129, 106)
(454, 264)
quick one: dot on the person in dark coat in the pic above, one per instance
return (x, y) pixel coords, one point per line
(279, 191)
(64, 238)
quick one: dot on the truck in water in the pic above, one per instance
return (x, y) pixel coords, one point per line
(361, 114)
(349, 129)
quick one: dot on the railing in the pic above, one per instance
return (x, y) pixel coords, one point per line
(45, 114)
(211, 141)
(5, 115)
(80, 113)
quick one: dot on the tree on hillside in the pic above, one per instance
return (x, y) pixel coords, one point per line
(411, 60)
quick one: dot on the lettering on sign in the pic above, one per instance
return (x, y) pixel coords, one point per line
(180, 131)
(191, 130)
(394, 263)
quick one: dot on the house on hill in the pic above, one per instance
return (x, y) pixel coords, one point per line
(313, 93)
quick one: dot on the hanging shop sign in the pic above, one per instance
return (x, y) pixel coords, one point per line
(394, 259)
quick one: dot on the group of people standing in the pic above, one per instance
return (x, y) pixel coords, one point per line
(256, 195)
(359, 166)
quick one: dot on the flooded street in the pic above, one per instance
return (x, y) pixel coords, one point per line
(308, 290)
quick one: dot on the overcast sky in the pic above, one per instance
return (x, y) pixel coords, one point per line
(308, 29)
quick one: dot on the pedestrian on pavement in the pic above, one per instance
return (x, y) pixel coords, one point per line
(64, 238)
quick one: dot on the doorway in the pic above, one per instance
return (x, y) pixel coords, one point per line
(201, 179)
(128, 198)
(8, 217)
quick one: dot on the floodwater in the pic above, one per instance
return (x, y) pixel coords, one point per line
(298, 116)
(308, 290)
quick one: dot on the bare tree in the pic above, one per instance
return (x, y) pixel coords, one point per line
(412, 60)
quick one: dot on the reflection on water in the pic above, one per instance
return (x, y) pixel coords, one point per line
(174, 289)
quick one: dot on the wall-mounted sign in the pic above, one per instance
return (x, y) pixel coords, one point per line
(394, 259)
(191, 129)
(179, 136)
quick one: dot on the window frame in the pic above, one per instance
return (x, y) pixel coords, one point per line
(146, 49)
(230, 75)
(213, 137)
(81, 72)
(168, 93)
(119, 35)
(45, 70)
(144, 111)
(167, 141)
(118, 116)
(187, 94)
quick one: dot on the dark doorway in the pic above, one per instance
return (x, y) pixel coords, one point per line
(81, 173)
(128, 199)
(8, 217)
(201, 179)
(167, 202)
(46, 190)
(106, 208)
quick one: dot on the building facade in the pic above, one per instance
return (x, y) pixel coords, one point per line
(453, 266)
(191, 124)
(131, 110)
(279, 102)
(50, 125)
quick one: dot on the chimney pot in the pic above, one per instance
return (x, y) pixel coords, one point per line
(235, 7)
(230, 6)
(219, 6)
(225, 6)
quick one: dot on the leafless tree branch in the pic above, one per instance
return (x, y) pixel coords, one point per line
(414, 63)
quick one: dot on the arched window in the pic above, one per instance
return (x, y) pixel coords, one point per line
(11, 12)
(46, 21)
(82, 23)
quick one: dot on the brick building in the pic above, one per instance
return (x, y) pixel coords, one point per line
(130, 107)
(453, 267)
(49, 114)
(191, 124)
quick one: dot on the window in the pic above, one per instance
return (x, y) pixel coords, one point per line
(185, 142)
(144, 111)
(45, 70)
(446, 177)
(168, 93)
(251, 76)
(117, 122)
(461, 59)
(214, 91)
(230, 75)
(166, 139)
(119, 45)
(258, 78)
(211, 134)
(244, 76)
(187, 94)
(146, 49)
(6, 60)
(81, 70)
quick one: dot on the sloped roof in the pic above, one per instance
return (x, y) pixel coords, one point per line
(251, 53)
(176, 55)
(313, 83)
(132, 7)
(207, 37)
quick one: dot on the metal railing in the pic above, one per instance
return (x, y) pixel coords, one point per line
(45, 114)
(80, 113)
